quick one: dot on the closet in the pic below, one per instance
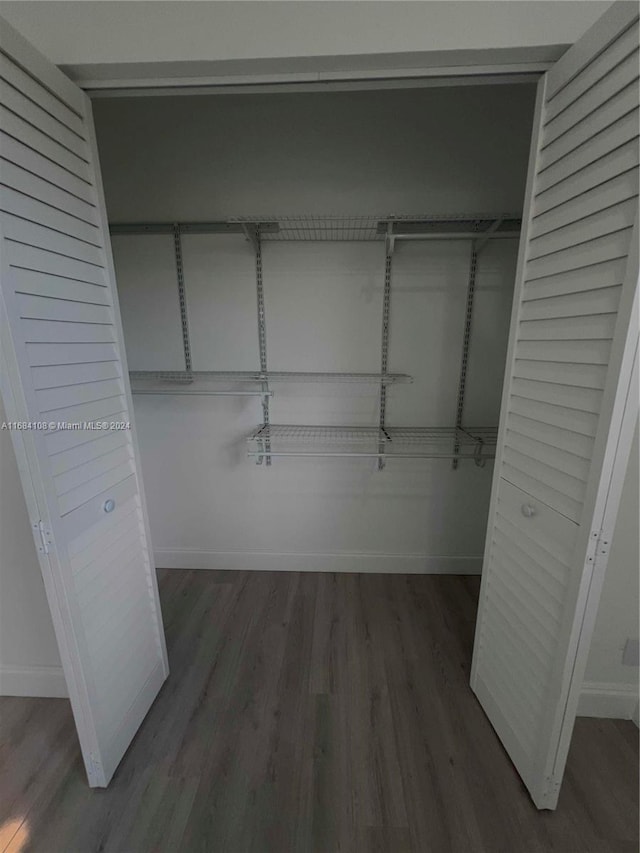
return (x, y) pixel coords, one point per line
(383, 333)
(315, 297)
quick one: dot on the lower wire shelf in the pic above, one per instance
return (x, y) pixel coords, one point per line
(272, 440)
(206, 382)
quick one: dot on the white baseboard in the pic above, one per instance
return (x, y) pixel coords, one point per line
(188, 558)
(41, 681)
(611, 701)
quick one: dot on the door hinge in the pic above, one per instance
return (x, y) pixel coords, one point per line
(603, 543)
(43, 537)
(599, 544)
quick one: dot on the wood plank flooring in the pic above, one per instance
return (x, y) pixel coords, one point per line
(318, 713)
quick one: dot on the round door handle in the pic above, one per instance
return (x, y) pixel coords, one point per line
(528, 510)
(109, 505)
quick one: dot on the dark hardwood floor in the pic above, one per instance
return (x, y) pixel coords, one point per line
(311, 712)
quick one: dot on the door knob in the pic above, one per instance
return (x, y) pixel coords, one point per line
(528, 510)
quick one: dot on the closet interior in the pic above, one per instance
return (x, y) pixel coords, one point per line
(367, 338)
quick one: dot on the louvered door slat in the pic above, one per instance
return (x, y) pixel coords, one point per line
(608, 247)
(581, 399)
(592, 201)
(577, 375)
(89, 473)
(556, 436)
(583, 326)
(66, 460)
(22, 231)
(583, 423)
(572, 232)
(67, 402)
(43, 191)
(609, 60)
(110, 410)
(596, 276)
(610, 166)
(62, 344)
(563, 460)
(34, 163)
(32, 89)
(56, 287)
(603, 300)
(30, 208)
(48, 354)
(603, 143)
(68, 375)
(573, 335)
(578, 351)
(50, 262)
(15, 126)
(607, 115)
(67, 310)
(30, 111)
(52, 332)
(591, 99)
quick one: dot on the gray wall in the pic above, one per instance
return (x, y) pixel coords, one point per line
(418, 151)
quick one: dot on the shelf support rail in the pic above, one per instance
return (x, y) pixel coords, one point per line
(477, 245)
(466, 341)
(384, 358)
(254, 237)
(182, 296)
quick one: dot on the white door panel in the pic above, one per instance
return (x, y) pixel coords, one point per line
(63, 363)
(564, 436)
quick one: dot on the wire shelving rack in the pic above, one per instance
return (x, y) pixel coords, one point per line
(381, 442)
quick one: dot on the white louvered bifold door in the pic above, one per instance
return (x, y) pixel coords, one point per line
(62, 360)
(560, 459)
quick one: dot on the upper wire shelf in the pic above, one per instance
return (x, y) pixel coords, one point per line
(477, 443)
(340, 228)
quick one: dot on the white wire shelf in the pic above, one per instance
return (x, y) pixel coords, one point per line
(200, 381)
(338, 227)
(377, 227)
(477, 443)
